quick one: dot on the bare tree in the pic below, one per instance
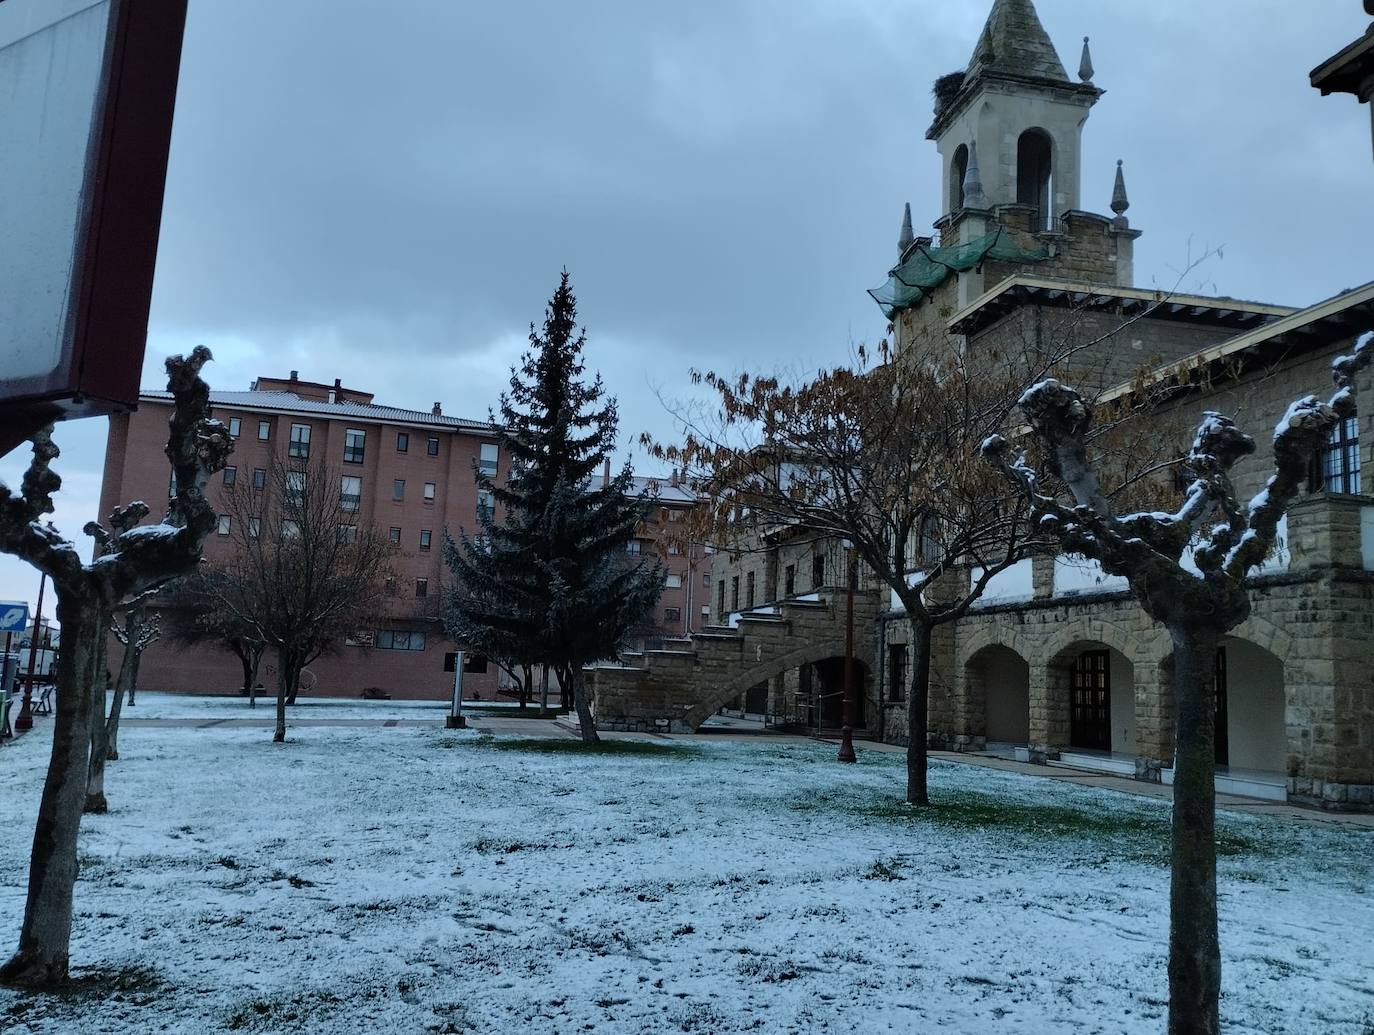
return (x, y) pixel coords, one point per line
(303, 574)
(1196, 606)
(138, 630)
(887, 458)
(132, 561)
(196, 618)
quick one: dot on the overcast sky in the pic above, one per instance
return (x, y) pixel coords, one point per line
(386, 193)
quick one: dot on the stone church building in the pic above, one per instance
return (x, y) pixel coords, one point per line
(1057, 663)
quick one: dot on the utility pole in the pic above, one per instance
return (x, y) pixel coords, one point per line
(25, 720)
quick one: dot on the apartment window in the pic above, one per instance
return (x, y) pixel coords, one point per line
(674, 515)
(488, 462)
(896, 672)
(429, 492)
(231, 475)
(235, 426)
(486, 504)
(395, 534)
(402, 442)
(432, 446)
(674, 550)
(350, 492)
(789, 581)
(290, 529)
(348, 533)
(422, 587)
(259, 477)
(426, 537)
(355, 445)
(705, 578)
(632, 546)
(734, 592)
(674, 582)
(295, 488)
(817, 570)
(299, 449)
(721, 605)
(1337, 467)
(254, 528)
(264, 430)
(398, 489)
(705, 612)
(223, 526)
(672, 615)
(749, 590)
(400, 639)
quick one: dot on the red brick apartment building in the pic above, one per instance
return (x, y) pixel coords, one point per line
(409, 474)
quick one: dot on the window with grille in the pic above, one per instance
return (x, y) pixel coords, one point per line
(299, 449)
(1337, 467)
(355, 445)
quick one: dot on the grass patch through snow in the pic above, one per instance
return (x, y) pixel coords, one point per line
(568, 746)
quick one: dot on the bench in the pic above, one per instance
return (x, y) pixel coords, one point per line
(6, 706)
(44, 703)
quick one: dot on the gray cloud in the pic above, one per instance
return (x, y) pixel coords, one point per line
(386, 193)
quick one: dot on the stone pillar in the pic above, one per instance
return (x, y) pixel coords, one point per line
(1042, 575)
(1049, 710)
(1124, 240)
(1154, 718)
(1324, 531)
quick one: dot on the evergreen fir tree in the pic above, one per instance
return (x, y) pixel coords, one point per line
(551, 582)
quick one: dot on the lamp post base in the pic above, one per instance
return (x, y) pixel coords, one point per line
(847, 746)
(455, 722)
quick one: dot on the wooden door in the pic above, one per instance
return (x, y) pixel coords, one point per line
(1090, 718)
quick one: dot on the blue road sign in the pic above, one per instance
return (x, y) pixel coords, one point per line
(14, 616)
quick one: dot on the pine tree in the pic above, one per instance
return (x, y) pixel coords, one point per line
(551, 582)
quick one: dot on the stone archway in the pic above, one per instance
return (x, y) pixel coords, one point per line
(1251, 731)
(997, 695)
(1088, 699)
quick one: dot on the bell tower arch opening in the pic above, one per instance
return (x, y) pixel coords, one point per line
(958, 171)
(1035, 176)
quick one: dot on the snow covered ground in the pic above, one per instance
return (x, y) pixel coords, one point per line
(404, 880)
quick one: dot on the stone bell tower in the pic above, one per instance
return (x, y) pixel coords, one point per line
(1009, 129)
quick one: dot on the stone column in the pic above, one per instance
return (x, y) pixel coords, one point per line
(1049, 710)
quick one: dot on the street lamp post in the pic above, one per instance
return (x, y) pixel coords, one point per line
(455, 720)
(847, 731)
(25, 720)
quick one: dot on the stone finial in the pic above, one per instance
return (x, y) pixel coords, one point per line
(1120, 203)
(906, 237)
(973, 181)
(1085, 66)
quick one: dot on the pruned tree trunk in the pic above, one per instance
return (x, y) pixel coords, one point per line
(283, 681)
(544, 692)
(256, 654)
(585, 721)
(526, 685)
(46, 932)
(100, 744)
(1194, 950)
(918, 713)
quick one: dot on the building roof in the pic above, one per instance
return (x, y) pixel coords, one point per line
(666, 489)
(1015, 43)
(285, 402)
(1020, 290)
(1333, 321)
(1347, 71)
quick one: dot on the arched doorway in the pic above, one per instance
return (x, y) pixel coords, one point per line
(1251, 724)
(828, 681)
(1097, 683)
(997, 688)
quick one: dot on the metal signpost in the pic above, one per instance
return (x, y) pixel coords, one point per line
(89, 88)
(25, 720)
(455, 720)
(14, 618)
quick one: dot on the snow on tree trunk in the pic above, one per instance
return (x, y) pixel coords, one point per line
(100, 746)
(283, 682)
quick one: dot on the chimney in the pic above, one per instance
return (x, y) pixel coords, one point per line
(295, 375)
(674, 479)
(438, 410)
(606, 472)
(334, 392)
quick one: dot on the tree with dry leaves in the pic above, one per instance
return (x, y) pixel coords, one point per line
(132, 560)
(1197, 603)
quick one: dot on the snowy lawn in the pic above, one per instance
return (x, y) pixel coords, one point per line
(414, 879)
(154, 705)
